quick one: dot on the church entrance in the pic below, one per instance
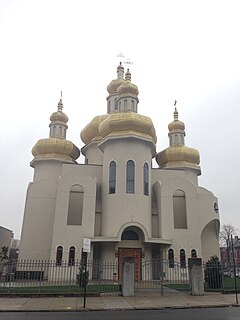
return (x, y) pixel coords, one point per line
(136, 254)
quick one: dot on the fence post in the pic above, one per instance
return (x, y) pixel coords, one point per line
(234, 270)
(196, 276)
(128, 277)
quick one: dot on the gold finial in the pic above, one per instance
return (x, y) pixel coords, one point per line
(128, 62)
(60, 104)
(120, 55)
(128, 75)
(175, 113)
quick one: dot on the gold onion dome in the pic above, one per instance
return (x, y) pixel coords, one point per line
(176, 124)
(90, 132)
(127, 87)
(55, 148)
(59, 115)
(114, 84)
(177, 155)
(126, 123)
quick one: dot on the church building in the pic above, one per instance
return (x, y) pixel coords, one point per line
(126, 205)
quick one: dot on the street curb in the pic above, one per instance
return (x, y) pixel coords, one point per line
(127, 309)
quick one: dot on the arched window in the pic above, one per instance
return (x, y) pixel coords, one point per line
(182, 139)
(71, 256)
(182, 258)
(59, 255)
(130, 176)
(132, 103)
(115, 104)
(193, 253)
(109, 106)
(129, 235)
(171, 258)
(179, 210)
(216, 207)
(120, 105)
(75, 205)
(145, 179)
(112, 177)
(125, 104)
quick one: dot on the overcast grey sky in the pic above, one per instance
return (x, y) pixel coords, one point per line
(183, 50)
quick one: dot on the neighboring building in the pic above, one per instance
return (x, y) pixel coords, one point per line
(6, 237)
(225, 256)
(14, 250)
(116, 198)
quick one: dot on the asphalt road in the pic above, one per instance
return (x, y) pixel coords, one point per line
(229, 313)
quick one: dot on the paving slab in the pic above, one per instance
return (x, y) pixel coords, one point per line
(92, 303)
(39, 304)
(12, 303)
(63, 303)
(118, 302)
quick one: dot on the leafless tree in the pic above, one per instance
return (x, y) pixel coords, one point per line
(225, 238)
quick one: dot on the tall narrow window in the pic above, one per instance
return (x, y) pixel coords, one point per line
(115, 104)
(125, 104)
(179, 210)
(193, 253)
(182, 258)
(59, 255)
(145, 179)
(171, 258)
(112, 177)
(75, 205)
(130, 176)
(71, 256)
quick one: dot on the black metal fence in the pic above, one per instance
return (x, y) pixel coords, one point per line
(48, 277)
(51, 277)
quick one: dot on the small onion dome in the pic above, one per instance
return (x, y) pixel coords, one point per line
(114, 84)
(127, 88)
(178, 157)
(59, 116)
(127, 123)
(55, 148)
(176, 125)
(90, 132)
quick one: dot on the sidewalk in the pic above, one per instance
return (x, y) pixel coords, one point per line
(106, 302)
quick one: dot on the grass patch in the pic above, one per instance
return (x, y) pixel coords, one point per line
(178, 286)
(75, 289)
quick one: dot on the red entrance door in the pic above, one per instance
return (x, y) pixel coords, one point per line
(135, 253)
